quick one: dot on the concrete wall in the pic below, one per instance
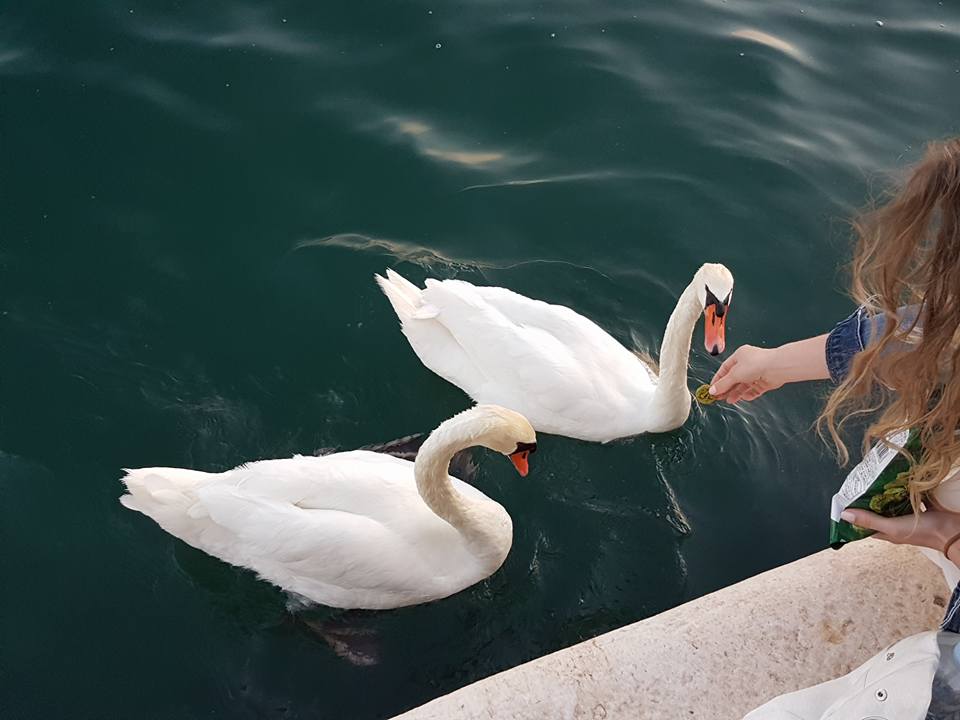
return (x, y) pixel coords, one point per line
(722, 655)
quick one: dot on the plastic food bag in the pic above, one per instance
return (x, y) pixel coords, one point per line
(878, 484)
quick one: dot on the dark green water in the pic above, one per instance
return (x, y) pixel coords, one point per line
(194, 198)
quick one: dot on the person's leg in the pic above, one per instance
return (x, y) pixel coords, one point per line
(951, 620)
(945, 701)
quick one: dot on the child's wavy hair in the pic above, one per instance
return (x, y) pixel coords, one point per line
(908, 253)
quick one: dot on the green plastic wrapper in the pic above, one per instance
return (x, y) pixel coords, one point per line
(878, 484)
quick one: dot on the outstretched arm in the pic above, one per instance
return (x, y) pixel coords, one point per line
(751, 371)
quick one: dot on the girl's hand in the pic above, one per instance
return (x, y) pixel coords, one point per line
(932, 529)
(751, 371)
(746, 375)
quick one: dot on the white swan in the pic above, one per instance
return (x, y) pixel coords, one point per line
(351, 530)
(561, 371)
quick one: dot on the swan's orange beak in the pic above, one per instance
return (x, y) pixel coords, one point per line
(521, 462)
(714, 328)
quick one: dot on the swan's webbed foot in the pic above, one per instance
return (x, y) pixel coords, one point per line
(346, 637)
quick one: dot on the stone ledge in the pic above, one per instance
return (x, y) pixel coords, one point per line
(722, 655)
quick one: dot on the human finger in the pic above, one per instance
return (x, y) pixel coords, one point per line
(733, 378)
(894, 529)
(726, 366)
(736, 394)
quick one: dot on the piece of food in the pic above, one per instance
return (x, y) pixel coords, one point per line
(878, 484)
(703, 396)
(894, 500)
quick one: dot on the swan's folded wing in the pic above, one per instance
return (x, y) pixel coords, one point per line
(376, 484)
(343, 478)
(379, 537)
(317, 552)
(569, 327)
(538, 358)
(439, 350)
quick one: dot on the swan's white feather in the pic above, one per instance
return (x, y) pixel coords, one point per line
(559, 369)
(346, 530)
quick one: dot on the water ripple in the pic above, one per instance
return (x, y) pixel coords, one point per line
(594, 176)
(157, 93)
(17, 61)
(241, 26)
(399, 249)
(433, 259)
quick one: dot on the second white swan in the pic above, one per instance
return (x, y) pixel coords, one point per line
(551, 364)
(354, 529)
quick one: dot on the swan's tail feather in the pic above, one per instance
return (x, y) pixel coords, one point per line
(150, 490)
(128, 502)
(407, 287)
(404, 296)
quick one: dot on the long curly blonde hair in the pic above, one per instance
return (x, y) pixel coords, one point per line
(908, 253)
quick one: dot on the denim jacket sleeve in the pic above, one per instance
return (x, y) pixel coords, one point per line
(854, 333)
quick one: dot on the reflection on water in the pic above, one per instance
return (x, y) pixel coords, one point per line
(764, 38)
(432, 143)
(392, 250)
(596, 176)
(235, 26)
(203, 193)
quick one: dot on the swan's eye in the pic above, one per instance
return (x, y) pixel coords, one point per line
(719, 307)
(525, 447)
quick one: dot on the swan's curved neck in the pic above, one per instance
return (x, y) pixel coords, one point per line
(675, 349)
(431, 470)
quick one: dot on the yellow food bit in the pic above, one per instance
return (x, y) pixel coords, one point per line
(703, 395)
(892, 501)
